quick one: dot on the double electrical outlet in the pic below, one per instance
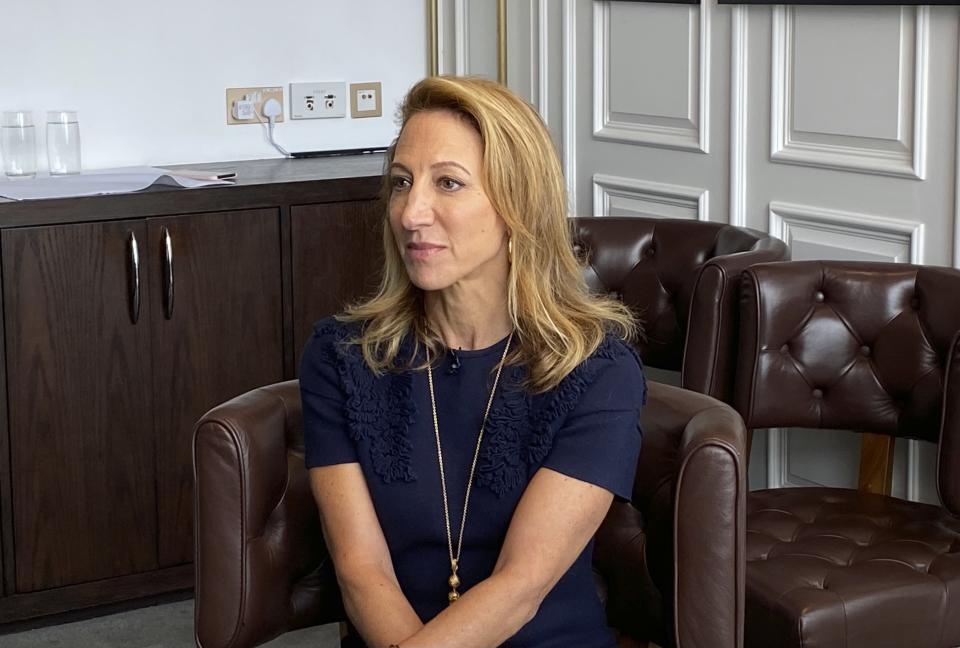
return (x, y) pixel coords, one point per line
(315, 100)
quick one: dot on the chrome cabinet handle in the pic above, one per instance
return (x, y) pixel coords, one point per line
(134, 283)
(168, 273)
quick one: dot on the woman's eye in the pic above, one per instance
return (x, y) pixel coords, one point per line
(399, 182)
(449, 184)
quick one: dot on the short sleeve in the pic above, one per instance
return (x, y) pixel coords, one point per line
(325, 429)
(599, 441)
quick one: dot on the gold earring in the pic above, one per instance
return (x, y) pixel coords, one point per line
(510, 248)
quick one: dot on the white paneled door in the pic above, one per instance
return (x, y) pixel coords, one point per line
(831, 127)
(647, 97)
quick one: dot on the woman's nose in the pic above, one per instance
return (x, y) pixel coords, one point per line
(417, 209)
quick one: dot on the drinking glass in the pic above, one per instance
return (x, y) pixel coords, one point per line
(18, 144)
(63, 142)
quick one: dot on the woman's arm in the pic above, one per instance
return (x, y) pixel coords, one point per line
(371, 594)
(553, 522)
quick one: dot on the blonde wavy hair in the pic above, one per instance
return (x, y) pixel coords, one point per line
(557, 322)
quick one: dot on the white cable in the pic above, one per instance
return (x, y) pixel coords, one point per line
(272, 141)
(269, 126)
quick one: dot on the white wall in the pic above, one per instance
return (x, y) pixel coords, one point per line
(149, 78)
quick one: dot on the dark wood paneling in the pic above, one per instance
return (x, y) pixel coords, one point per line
(223, 339)
(8, 583)
(81, 437)
(78, 597)
(289, 369)
(337, 255)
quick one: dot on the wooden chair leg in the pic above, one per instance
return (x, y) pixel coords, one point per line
(876, 463)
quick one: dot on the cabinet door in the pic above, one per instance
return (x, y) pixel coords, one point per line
(337, 257)
(81, 436)
(220, 336)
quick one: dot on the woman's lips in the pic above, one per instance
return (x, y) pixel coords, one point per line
(422, 251)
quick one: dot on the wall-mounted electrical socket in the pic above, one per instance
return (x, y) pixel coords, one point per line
(365, 100)
(243, 104)
(318, 100)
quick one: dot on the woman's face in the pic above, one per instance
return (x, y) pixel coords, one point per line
(447, 231)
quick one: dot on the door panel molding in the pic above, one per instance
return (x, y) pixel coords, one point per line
(787, 220)
(913, 470)
(694, 199)
(540, 59)
(779, 470)
(739, 79)
(904, 156)
(570, 100)
(461, 30)
(445, 37)
(956, 186)
(687, 133)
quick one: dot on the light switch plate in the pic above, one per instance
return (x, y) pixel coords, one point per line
(365, 100)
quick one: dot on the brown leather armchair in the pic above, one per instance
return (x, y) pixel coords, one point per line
(262, 569)
(871, 347)
(671, 564)
(683, 279)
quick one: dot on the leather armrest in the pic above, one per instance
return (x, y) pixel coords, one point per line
(633, 602)
(691, 488)
(261, 567)
(948, 467)
(710, 356)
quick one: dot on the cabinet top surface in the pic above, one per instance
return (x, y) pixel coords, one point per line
(271, 182)
(281, 170)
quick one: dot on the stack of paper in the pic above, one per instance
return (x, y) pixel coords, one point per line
(107, 181)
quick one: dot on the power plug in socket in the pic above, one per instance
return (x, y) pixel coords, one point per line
(243, 104)
(318, 100)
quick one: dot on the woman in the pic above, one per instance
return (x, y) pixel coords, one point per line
(468, 427)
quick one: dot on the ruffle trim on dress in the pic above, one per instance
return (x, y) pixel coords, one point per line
(517, 440)
(378, 410)
(502, 466)
(519, 433)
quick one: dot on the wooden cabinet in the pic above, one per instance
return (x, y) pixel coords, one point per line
(126, 318)
(216, 335)
(102, 406)
(80, 404)
(328, 275)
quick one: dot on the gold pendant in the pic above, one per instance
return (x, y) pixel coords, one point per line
(453, 582)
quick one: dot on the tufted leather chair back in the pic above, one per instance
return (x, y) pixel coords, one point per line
(872, 347)
(862, 346)
(681, 277)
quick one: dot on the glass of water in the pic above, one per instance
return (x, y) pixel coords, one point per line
(18, 144)
(63, 142)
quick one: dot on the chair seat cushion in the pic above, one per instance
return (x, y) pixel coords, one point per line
(839, 568)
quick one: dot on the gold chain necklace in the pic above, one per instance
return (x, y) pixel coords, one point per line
(454, 580)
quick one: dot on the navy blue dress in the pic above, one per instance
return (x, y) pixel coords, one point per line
(586, 428)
